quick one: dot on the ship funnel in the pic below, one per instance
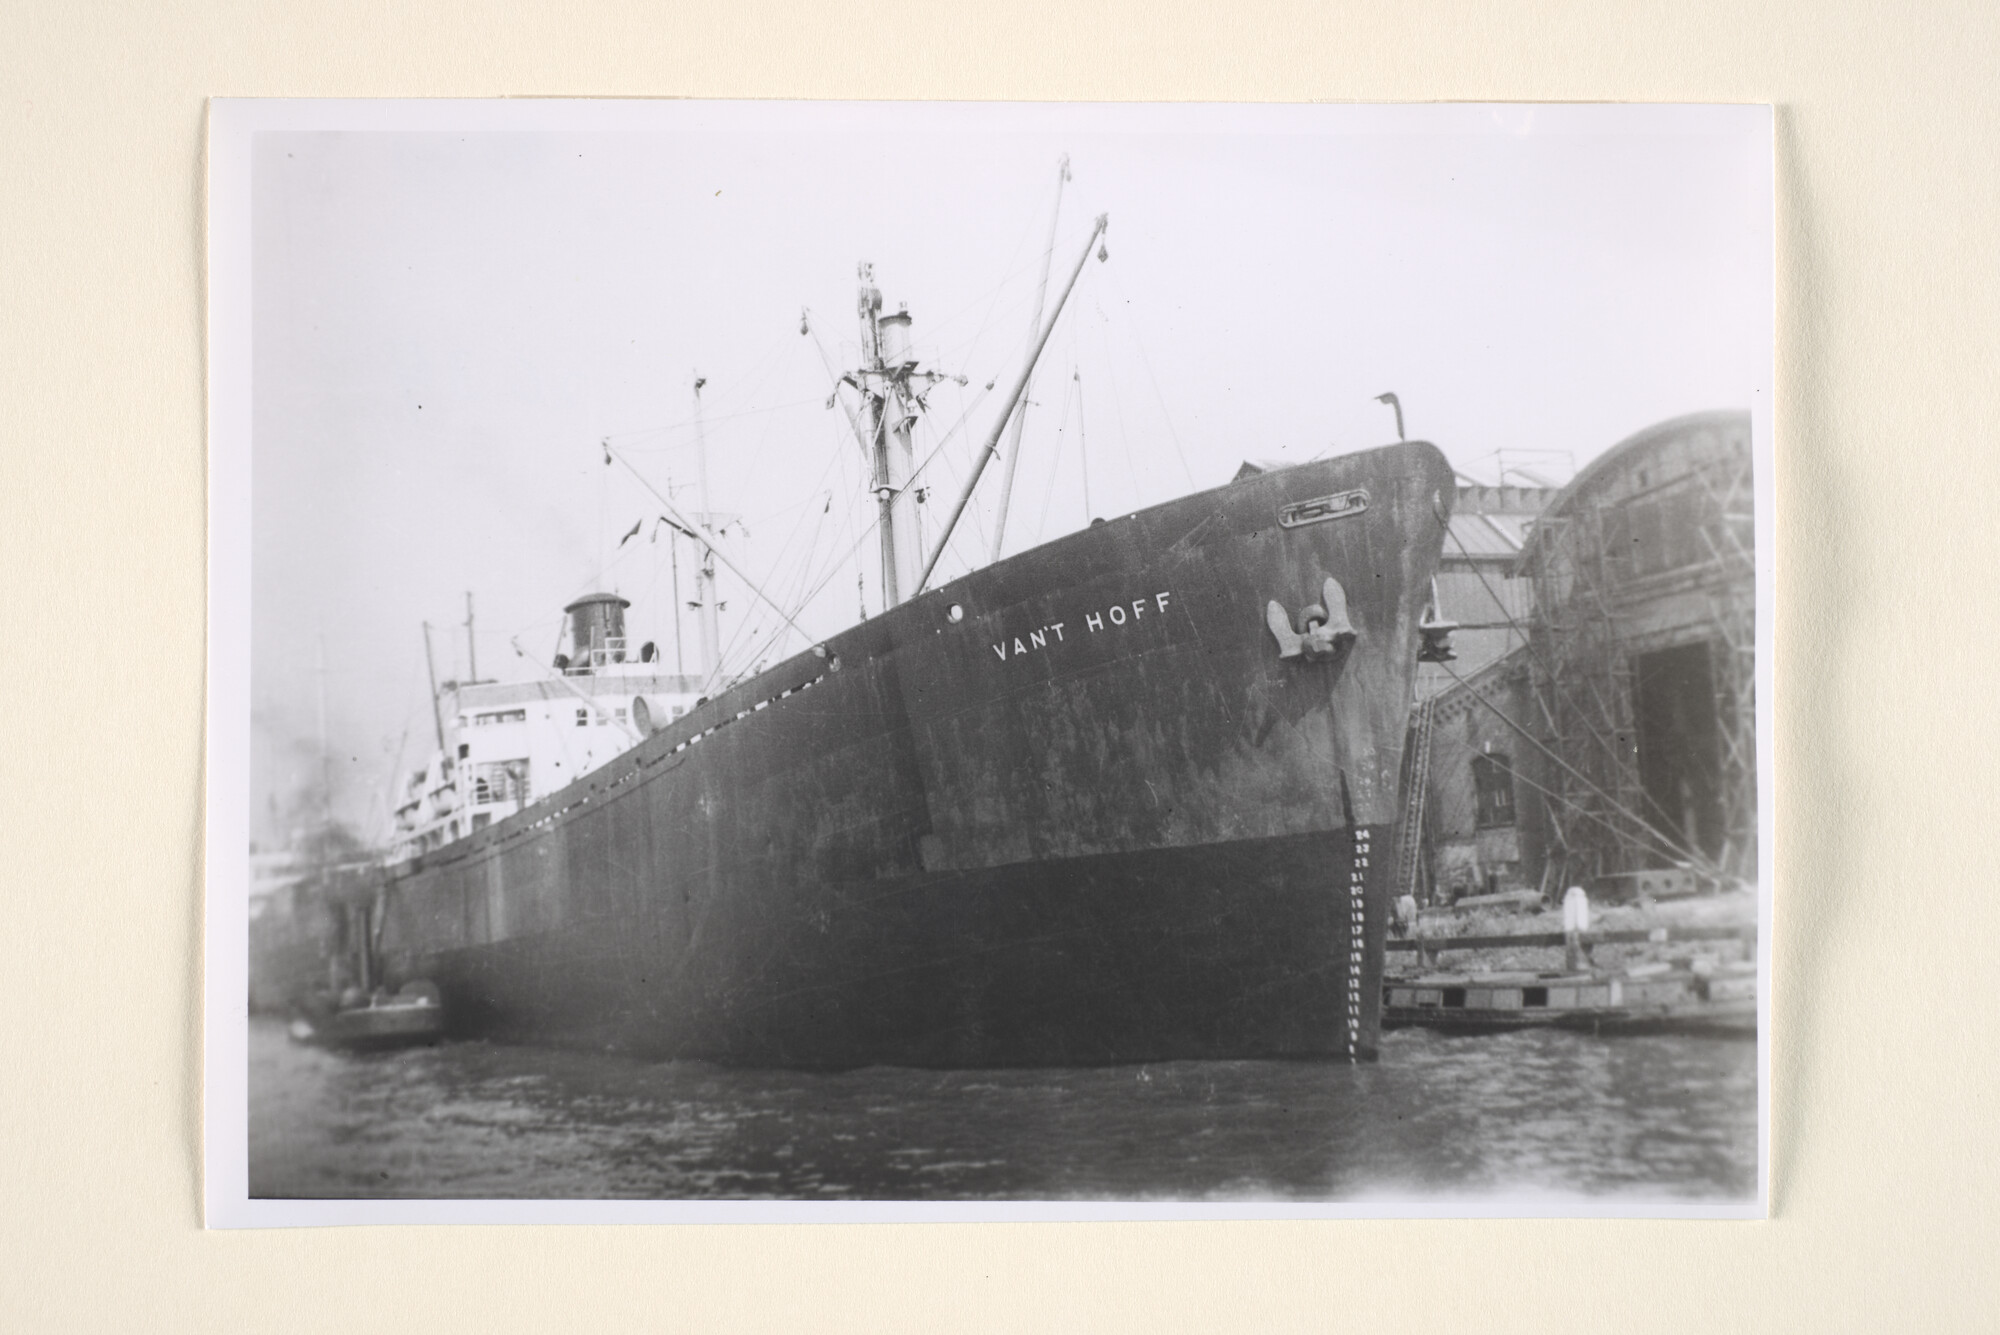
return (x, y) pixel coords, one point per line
(596, 630)
(895, 334)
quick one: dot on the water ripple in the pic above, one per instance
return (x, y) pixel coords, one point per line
(1542, 1112)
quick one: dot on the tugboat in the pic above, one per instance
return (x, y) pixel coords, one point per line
(411, 1016)
(354, 1010)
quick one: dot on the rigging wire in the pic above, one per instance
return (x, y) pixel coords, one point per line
(1146, 360)
(755, 624)
(1083, 451)
(847, 491)
(850, 492)
(974, 518)
(1118, 409)
(1013, 273)
(1055, 458)
(812, 545)
(1528, 644)
(1017, 387)
(665, 499)
(977, 526)
(1520, 776)
(743, 388)
(946, 438)
(750, 625)
(1672, 845)
(688, 424)
(845, 557)
(675, 514)
(626, 443)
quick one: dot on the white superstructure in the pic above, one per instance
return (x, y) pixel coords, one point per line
(505, 743)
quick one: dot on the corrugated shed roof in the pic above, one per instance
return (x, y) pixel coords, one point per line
(1478, 535)
(1641, 440)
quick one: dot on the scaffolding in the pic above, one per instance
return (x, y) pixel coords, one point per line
(1663, 565)
(1416, 787)
(1731, 541)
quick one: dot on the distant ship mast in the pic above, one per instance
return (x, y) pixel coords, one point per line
(325, 748)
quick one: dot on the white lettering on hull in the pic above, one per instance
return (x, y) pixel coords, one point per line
(1111, 617)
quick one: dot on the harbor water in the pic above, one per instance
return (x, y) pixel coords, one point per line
(1547, 1112)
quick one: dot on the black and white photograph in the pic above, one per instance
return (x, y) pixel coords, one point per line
(937, 660)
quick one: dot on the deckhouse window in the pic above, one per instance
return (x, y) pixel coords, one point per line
(582, 718)
(501, 781)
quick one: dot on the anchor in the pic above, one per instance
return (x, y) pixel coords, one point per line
(1435, 632)
(1436, 646)
(1324, 630)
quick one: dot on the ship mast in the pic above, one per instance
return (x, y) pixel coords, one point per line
(471, 643)
(674, 558)
(892, 394)
(325, 750)
(1034, 332)
(891, 389)
(888, 408)
(430, 671)
(992, 445)
(708, 625)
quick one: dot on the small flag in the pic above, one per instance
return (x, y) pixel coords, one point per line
(631, 533)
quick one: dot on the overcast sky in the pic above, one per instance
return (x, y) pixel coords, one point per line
(447, 323)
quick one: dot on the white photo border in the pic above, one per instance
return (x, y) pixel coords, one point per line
(233, 125)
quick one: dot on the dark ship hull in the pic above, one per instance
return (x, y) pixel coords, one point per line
(1096, 818)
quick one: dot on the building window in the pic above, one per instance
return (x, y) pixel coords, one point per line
(1493, 789)
(582, 718)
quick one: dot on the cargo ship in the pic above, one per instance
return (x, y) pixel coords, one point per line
(1127, 796)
